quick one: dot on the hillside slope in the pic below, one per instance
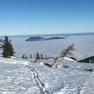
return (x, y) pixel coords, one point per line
(17, 78)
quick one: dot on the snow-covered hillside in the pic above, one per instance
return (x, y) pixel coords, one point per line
(17, 78)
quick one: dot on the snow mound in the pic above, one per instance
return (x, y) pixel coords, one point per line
(13, 61)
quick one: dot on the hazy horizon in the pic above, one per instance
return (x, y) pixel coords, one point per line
(58, 34)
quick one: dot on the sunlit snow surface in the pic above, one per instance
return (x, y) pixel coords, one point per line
(17, 79)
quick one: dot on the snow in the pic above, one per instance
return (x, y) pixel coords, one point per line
(14, 60)
(16, 78)
(69, 59)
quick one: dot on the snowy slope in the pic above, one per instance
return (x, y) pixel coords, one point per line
(16, 78)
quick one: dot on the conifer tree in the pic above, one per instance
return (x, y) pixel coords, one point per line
(37, 56)
(30, 56)
(41, 56)
(8, 50)
(23, 56)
